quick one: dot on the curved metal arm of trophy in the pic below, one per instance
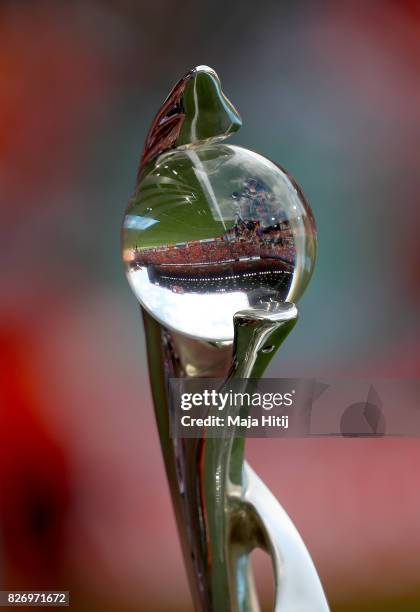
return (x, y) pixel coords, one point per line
(258, 520)
(297, 584)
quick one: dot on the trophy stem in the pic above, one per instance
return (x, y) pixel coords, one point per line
(222, 508)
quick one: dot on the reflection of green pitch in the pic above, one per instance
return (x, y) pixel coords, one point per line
(180, 207)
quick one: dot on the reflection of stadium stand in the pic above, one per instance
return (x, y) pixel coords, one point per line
(247, 275)
(246, 256)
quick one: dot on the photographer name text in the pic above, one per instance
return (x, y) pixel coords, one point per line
(236, 421)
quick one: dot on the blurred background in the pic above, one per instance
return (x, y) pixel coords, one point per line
(328, 89)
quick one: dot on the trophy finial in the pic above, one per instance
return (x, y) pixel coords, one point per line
(196, 110)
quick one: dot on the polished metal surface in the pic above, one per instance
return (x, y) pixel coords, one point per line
(223, 509)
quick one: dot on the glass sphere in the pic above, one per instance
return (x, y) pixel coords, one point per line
(213, 229)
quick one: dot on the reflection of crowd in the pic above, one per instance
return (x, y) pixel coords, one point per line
(278, 235)
(246, 239)
(247, 268)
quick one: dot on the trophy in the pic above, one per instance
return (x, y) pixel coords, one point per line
(218, 244)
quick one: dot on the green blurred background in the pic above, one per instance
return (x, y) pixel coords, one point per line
(330, 90)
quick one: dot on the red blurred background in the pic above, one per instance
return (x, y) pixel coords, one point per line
(331, 91)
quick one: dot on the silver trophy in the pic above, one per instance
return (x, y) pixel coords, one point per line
(218, 243)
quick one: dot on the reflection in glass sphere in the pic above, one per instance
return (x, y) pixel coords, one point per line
(213, 229)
